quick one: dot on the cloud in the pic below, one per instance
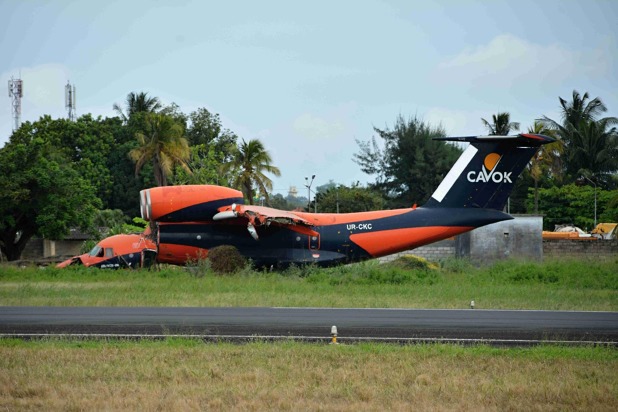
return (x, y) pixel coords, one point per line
(455, 122)
(315, 129)
(315, 143)
(509, 61)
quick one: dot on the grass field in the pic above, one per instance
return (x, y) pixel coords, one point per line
(553, 285)
(190, 375)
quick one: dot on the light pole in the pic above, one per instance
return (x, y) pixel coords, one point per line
(308, 186)
(595, 200)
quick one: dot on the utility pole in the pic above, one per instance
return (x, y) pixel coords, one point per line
(308, 186)
(595, 200)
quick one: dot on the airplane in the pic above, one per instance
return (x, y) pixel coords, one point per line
(186, 221)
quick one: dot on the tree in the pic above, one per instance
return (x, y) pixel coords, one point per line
(593, 151)
(138, 103)
(210, 147)
(574, 112)
(162, 142)
(42, 194)
(501, 125)
(573, 204)
(411, 165)
(247, 166)
(546, 161)
(581, 135)
(344, 199)
(203, 167)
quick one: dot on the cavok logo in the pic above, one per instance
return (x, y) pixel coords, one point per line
(489, 172)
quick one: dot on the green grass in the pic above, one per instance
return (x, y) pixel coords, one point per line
(181, 374)
(553, 285)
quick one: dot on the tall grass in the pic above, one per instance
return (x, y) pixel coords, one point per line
(556, 284)
(188, 375)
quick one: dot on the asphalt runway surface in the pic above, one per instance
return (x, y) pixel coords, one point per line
(405, 325)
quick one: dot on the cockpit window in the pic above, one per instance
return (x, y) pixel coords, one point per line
(96, 251)
(109, 252)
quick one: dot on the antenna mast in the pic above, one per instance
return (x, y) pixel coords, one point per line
(16, 92)
(69, 100)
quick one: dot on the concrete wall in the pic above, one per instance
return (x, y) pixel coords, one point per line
(38, 248)
(35, 249)
(520, 238)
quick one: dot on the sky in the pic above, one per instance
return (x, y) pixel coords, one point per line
(310, 79)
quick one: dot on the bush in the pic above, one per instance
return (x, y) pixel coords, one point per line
(226, 259)
(411, 262)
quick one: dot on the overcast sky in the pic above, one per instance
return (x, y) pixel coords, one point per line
(310, 78)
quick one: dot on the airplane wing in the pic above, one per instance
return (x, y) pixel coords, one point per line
(257, 216)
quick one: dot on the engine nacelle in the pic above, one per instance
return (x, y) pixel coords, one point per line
(189, 203)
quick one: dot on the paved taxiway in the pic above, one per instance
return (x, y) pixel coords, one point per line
(385, 324)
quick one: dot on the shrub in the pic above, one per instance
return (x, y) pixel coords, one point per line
(457, 265)
(226, 259)
(198, 267)
(410, 262)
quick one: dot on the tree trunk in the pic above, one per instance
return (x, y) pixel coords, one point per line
(13, 250)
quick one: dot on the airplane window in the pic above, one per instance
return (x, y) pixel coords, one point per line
(96, 251)
(109, 252)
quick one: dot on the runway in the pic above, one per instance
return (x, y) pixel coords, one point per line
(403, 325)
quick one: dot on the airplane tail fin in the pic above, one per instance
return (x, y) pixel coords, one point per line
(485, 173)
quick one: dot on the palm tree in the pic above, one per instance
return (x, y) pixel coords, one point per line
(547, 159)
(162, 142)
(247, 166)
(577, 126)
(138, 103)
(576, 111)
(501, 125)
(594, 149)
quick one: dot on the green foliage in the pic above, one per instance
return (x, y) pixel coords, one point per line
(42, 193)
(560, 273)
(87, 246)
(203, 167)
(226, 259)
(198, 267)
(249, 162)
(411, 165)
(412, 262)
(456, 265)
(591, 143)
(593, 150)
(344, 199)
(610, 214)
(552, 285)
(501, 124)
(206, 129)
(572, 204)
(162, 143)
(86, 143)
(136, 103)
(373, 273)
